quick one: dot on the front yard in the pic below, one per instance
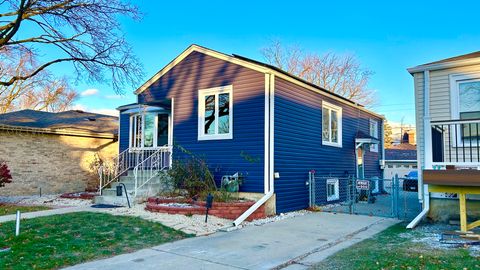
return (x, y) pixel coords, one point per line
(60, 240)
(9, 209)
(399, 248)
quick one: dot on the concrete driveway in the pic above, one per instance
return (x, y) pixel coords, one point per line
(294, 243)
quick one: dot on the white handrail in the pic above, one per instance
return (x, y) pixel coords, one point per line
(151, 166)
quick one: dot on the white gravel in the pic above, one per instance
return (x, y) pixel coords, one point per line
(194, 224)
(430, 235)
(47, 200)
(282, 216)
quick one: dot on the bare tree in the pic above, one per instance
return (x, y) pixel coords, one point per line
(85, 33)
(340, 74)
(41, 92)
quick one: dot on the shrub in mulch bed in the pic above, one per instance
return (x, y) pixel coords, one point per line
(79, 195)
(228, 210)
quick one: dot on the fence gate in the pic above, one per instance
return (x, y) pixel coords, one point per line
(395, 198)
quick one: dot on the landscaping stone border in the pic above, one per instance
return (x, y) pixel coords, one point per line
(228, 210)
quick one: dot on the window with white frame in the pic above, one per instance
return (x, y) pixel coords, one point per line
(333, 193)
(149, 130)
(331, 125)
(466, 104)
(374, 134)
(215, 115)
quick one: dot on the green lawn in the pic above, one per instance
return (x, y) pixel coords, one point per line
(9, 209)
(395, 248)
(61, 240)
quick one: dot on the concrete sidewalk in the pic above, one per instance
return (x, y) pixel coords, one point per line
(44, 213)
(294, 243)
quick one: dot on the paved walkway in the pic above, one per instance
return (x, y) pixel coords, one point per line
(294, 243)
(44, 213)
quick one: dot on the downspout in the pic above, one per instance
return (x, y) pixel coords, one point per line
(427, 150)
(268, 150)
(383, 148)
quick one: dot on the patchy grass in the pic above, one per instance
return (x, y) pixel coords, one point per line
(61, 240)
(399, 248)
(10, 209)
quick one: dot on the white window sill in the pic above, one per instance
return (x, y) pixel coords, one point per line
(332, 144)
(329, 199)
(215, 137)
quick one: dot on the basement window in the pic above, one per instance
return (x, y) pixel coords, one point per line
(332, 190)
(215, 116)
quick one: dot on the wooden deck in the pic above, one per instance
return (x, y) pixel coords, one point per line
(461, 182)
(462, 178)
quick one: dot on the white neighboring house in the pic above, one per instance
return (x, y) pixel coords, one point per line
(400, 160)
(447, 102)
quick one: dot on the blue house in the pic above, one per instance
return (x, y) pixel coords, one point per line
(249, 117)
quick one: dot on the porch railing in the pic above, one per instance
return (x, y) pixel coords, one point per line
(151, 167)
(128, 159)
(456, 142)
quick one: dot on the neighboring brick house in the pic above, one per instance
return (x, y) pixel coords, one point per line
(53, 151)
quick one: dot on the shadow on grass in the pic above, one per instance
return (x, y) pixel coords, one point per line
(62, 240)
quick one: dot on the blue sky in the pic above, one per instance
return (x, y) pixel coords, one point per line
(387, 38)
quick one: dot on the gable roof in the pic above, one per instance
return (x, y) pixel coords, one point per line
(75, 122)
(254, 65)
(403, 146)
(459, 60)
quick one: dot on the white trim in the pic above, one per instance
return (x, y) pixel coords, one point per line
(338, 110)
(455, 92)
(196, 48)
(373, 147)
(455, 80)
(465, 164)
(133, 134)
(444, 65)
(171, 122)
(268, 154)
(266, 149)
(250, 65)
(336, 187)
(363, 161)
(216, 91)
(272, 131)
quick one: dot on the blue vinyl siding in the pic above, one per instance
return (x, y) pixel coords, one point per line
(298, 128)
(124, 132)
(199, 71)
(298, 143)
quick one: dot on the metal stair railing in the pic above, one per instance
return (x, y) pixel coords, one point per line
(126, 160)
(151, 167)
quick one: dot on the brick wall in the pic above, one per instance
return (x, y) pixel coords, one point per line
(54, 163)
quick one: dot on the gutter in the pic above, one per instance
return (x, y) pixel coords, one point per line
(427, 151)
(443, 65)
(268, 152)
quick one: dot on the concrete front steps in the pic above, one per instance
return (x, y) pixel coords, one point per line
(152, 188)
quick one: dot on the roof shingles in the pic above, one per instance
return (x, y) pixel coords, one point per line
(69, 120)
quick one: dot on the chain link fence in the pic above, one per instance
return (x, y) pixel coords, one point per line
(395, 198)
